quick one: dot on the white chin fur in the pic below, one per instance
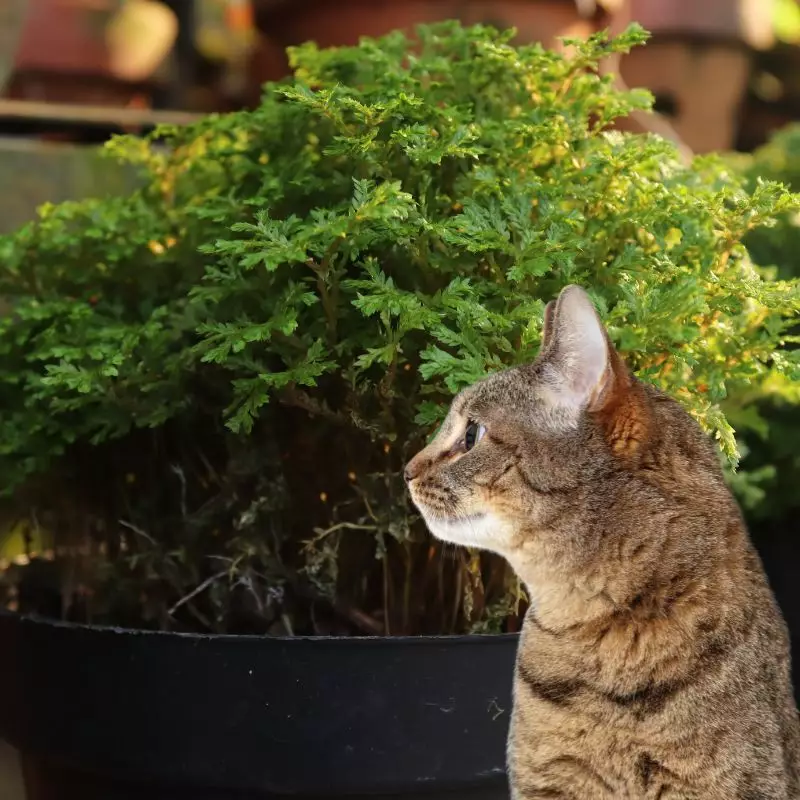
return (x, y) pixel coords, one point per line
(484, 530)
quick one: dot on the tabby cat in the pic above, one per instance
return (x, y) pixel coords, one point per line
(653, 662)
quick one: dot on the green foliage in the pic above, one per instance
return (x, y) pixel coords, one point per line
(777, 161)
(774, 441)
(217, 380)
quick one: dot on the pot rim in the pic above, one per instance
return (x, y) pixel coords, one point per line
(345, 641)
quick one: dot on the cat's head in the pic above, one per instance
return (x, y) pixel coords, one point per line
(528, 459)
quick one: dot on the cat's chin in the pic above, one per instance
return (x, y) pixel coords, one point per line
(485, 530)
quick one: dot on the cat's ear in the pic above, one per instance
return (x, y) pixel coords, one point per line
(581, 371)
(576, 362)
(547, 325)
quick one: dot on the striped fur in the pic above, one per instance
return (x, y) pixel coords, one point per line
(654, 662)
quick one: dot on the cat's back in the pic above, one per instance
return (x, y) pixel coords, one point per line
(676, 683)
(719, 725)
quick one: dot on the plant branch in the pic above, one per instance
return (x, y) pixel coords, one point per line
(197, 590)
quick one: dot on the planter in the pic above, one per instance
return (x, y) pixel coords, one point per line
(283, 23)
(91, 51)
(748, 21)
(43, 172)
(102, 713)
(12, 21)
(698, 63)
(699, 86)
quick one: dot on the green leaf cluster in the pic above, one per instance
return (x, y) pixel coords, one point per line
(237, 359)
(769, 431)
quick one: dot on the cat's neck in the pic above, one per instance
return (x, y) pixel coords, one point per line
(563, 601)
(659, 580)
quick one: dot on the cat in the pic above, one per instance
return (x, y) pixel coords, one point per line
(653, 660)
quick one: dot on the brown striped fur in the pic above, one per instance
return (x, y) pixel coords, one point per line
(654, 662)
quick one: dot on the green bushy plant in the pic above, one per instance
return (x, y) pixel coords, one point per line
(774, 444)
(779, 161)
(210, 387)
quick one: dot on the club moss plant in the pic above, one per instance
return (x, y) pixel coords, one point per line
(209, 386)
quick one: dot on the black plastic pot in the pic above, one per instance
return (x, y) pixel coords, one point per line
(106, 714)
(778, 544)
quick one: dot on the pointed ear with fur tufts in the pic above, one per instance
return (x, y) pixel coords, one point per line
(577, 356)
(582, 372)
(547, 325)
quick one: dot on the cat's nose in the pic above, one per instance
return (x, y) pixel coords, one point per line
(413, 469)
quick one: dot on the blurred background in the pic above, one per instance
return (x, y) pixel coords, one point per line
(72, 72)
(725, 75)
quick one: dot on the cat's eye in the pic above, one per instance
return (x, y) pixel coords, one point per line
(473, 435)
